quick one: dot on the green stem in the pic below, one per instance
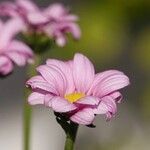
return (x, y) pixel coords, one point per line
(71, 136)
(70, 129)
(27, 109)
(40, 44)
(27, 122)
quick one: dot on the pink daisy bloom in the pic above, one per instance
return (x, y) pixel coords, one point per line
(55, 21)
(61, 22)
(12, 51)
(73, 88)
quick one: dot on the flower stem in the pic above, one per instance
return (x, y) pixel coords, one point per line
(70, 129)
(71, 136)
(27, 109)
(27, 122)
(40, 44)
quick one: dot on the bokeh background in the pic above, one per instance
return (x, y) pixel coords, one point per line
(115, 35)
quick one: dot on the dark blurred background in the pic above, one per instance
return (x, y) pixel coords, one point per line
(115, 35)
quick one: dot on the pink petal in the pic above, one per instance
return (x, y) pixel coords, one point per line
(37, 18)
(6, 65)
(28, 5)
(117, 96)
(69, 17)
(8, 9)
(107, 105)
(55, 11)
(70, 63)
(36, 98)
(108, 82)
(48, 100)
(19, 53)
(61, 41)
(84, 116)
(1, 25)
(83, 73)
(67, 71)
(75, 30)
(89, 100)
(61, 105)
(20, 47)
(9, 30)
(38, 83)
(53, 77)
(17, 58)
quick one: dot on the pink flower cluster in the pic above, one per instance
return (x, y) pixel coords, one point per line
(12, 51)
(55, 20)
(73, 88)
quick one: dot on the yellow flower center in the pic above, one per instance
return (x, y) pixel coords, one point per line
(73, 97)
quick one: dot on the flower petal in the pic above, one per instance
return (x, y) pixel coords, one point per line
(108, 82)
(36, 98)
(37, 82)
(89, 100)
(1, 25)
(6, 65)
(54, 77)
(8, 9)
(9, 30)
(67, 71)
(28, 5)
(48, 100)
(55, 11)
(60, 40)
(117, 96)
(84, 116)
(83, 73)
(17, 58)
(61, 105)
(69, 18)
(20, 47)
(19, 53)
(37, 18)
(75, 30)
(106, 106)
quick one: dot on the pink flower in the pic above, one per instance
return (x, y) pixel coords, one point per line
(55, 21)
(25, 10)
(61, 22)
(74, 89)
(12, 51)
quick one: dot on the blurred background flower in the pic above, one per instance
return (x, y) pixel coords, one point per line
(54, 21)
(115, 34)
(12, 51)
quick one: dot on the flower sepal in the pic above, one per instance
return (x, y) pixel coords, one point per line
(39, 42)
(70, 129)
(91, 126)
